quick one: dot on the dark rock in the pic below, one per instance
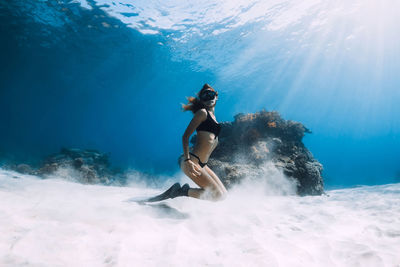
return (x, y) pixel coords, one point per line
(47, 168)
(78, 162)
(253, 139)
(24, 168)
(90, 166)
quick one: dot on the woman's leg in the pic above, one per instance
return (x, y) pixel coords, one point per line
(216, 180)
(209, 189)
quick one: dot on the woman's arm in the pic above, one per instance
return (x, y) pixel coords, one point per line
(199, 117)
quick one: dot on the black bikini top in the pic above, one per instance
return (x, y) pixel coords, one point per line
(209, 125)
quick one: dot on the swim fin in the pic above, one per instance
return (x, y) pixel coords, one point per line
(174, 191)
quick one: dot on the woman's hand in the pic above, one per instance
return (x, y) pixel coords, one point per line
(193, 168)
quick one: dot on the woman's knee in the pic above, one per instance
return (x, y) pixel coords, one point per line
(218, 194)
(223, 189)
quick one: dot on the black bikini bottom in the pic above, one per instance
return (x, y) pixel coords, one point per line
(194, 155)
(200, 163)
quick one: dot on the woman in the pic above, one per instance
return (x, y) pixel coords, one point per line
(194, 163)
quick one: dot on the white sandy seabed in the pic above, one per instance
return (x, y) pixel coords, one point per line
(56, 222)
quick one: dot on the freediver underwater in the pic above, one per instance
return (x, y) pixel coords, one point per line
(193, 162)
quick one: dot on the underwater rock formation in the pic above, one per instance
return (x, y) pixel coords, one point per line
(253, 139)
(84, 165)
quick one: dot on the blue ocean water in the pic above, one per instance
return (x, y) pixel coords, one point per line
(111, 76)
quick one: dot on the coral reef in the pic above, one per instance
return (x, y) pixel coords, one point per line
(85, 165)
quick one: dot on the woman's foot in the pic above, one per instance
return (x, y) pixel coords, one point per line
(184, 191)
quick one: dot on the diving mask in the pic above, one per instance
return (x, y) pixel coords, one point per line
(208, 95)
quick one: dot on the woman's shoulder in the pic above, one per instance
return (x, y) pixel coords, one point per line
(202, 113)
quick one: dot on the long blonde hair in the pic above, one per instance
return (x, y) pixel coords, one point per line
(194, 103)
